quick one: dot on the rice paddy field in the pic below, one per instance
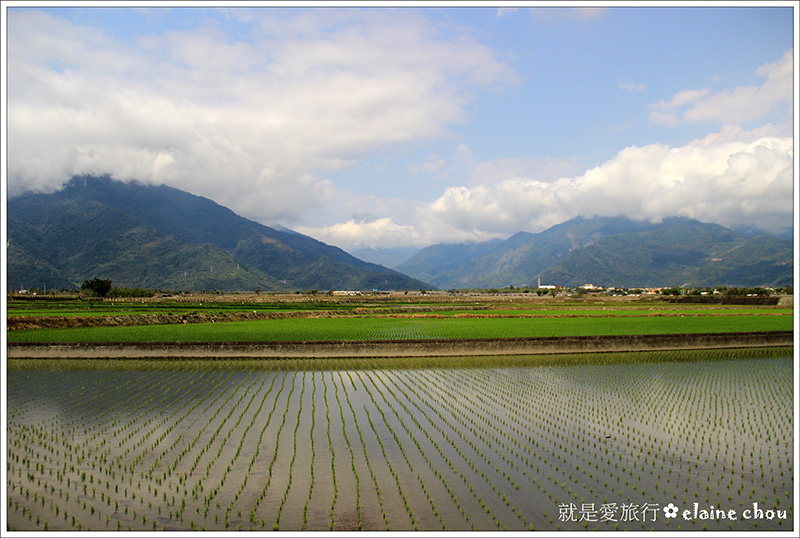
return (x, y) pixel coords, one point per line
(668, 440)
(379, 321)
(387, 445)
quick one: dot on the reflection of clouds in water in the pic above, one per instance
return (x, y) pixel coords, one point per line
(488, 424)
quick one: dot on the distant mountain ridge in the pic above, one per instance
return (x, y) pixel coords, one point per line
(160, 237)
(611, 251)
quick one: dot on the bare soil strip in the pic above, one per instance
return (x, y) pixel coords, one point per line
(403, 348)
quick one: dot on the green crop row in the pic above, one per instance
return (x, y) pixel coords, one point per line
(661, 310)
(398, 363)
(371, 328)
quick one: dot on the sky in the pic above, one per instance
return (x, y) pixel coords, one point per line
(383, 127)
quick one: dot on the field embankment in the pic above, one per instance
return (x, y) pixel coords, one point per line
(401, 348)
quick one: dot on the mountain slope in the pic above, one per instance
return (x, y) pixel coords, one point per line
(157, 236)
(517, 261)
(78, 239)
(679, 252)
(611, 251)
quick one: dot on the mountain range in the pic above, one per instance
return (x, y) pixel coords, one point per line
(610, 251)
(149, 236)
(159, 237)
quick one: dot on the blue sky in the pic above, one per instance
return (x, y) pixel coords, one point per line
(382, 127)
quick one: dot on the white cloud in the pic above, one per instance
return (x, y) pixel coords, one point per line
(463, 166)
(206, 112)
(546, 169)
(433, 166)
(503, 11)
(733, 177)
(737, 105)
(361, 233)
(554, 15)
(631, 86)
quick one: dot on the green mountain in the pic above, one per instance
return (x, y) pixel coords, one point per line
(612, 252)
(679, 252)
(160, 237)
(517, 261)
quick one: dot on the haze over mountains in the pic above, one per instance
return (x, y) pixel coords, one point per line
(160, 237)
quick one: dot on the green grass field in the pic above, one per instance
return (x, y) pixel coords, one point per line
(405, 328)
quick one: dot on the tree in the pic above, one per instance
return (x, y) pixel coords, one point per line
(99, 286)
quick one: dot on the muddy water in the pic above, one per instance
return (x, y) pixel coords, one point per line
(570, 447)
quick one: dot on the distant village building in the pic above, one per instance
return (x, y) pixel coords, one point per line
(546, 286)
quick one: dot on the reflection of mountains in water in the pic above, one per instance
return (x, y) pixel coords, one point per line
(428, 448)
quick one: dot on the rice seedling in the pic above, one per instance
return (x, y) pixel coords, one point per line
(428, 443)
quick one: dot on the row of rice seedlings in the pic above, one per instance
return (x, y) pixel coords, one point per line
(270, 470)
(434, 467)
(414, 439)
(404, 328)
(125, 489)
(349, 450)
(123, 437)
(396, 363)
(634, 461)
(213, 394)
(242, 438)
(181, 485)
(568, 412)
(163, 479)
(276, 525)
(448, 414)
(429, 414)
(701, 416)
(171, 402)
(366, 452)
(83, 474)
(236, 411)
(332, 452)
(260, 442)
(400, 446)
(312, 444)
(480, 422)
(207, 500)
(117, 488)
(582, 439)
(515, 455)
(153, 487)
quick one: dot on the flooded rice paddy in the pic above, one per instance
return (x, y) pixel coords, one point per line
(685, 445)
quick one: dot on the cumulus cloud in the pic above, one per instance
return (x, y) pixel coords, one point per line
(206, 111)
(737, 105)
(732, 177)
(366, 233)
